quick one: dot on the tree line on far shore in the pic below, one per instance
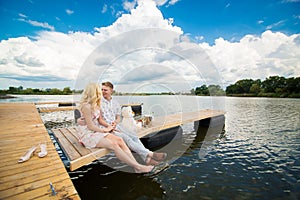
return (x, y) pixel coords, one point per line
(36, 91)
(274, 86)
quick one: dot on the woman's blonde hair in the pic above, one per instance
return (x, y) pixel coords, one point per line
(91, 95)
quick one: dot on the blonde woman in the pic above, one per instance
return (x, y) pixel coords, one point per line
(92, 136)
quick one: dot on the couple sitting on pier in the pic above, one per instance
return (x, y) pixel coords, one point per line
(99, 128)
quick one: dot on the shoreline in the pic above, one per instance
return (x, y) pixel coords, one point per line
(269, 95)
(5, 96)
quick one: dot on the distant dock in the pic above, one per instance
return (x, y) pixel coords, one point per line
(38, 178)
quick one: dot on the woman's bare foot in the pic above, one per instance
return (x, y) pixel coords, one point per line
(143, 169)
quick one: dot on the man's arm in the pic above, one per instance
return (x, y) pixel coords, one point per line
(118, 111)
(103, 122)
(118, 119)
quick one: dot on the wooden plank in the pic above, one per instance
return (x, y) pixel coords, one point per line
(68, 137)
(169, 121)
(11, 168)
(67, 108)
(67, 146)
(87, 159)
(21, 128)
(54, 109)
(54, 102)
(74, 141)
(31, 176)
(62, 188)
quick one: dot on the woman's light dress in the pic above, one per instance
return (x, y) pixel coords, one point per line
(88, 137)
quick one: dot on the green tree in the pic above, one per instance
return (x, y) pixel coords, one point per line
(215, 90)
(202, 90)
(12, 90)
(244, 85)
(28, 91)
(255, 88)
(272, 83)
(55, 91)
(67, 90)
(231, 89)
(293, 85)
(37, 91)
(240, 87)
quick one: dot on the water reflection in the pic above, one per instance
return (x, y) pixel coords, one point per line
(102, 182)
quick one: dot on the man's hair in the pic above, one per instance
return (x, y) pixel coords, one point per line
(108, 84)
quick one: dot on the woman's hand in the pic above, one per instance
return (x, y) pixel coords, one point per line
(108, 129)
(81, 121)
(111, 127)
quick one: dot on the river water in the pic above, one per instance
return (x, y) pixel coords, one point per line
(258, 156)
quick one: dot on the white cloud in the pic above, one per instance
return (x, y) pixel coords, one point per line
(257, 57)
(160, 2)
(54, 59)
(199, 38)
(127, 5)
(50, 54)
(69, 12)
(290, 1)
(260, 21)
(145, 15)
(104, 8)
(296, 16)
(22, 15)
(166, 2)
(37, 24)
(173, 2)
(279, 23)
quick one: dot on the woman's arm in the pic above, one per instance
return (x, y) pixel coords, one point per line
(87, 113)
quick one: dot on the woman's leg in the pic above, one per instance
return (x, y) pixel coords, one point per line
(125, 148)
(122, 152)
(134, 144)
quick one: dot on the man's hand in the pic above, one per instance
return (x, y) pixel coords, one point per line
(114, 124)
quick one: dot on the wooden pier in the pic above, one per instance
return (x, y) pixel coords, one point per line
(79, 155)
(55, 106)
(21, 128)
(64, 106)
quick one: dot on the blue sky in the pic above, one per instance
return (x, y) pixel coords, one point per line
(209, 19)
(234, 27)
(234, 19)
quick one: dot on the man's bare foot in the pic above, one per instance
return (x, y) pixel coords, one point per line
(159, 156)
(151, 161)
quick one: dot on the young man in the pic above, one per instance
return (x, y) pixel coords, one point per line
(111, 116)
